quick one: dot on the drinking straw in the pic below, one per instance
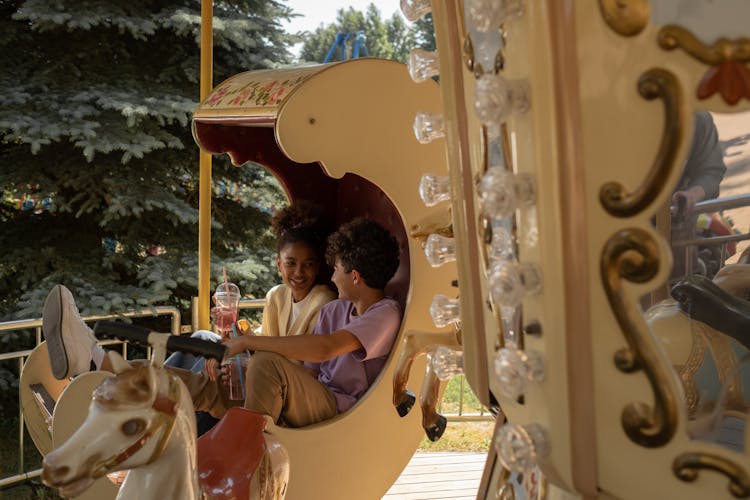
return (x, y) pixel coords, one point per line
(239, 361)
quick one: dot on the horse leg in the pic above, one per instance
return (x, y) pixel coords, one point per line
(433, 423)
(415, 343)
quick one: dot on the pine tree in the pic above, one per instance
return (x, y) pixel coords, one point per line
(389, 39)
(98, 168)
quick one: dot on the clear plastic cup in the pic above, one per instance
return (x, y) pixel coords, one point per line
(235, 370)
(226, 303)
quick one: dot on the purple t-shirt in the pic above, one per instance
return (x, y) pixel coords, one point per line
(348, 376)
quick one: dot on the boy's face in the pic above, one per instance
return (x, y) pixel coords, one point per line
(343, 280)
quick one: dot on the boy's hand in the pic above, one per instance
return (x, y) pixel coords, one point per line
(216, 372)
(212, 369)
(234, 346)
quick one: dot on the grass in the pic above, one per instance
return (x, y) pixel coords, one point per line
(461, 436)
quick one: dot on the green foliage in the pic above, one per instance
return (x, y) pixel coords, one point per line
(95, 137)
(388, 39)
(459, 396)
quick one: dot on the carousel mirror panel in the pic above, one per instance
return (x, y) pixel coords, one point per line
(701, 316)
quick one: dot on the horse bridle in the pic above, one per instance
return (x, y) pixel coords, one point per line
(166, 408)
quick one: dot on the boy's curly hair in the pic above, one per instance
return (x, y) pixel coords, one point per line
(366, 246)
(301, 222)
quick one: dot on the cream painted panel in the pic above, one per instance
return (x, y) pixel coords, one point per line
(621, 133)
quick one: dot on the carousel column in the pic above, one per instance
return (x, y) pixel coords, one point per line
(204, 193)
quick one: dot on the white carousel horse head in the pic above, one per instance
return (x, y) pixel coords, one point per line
(135, 418)
(143, 420)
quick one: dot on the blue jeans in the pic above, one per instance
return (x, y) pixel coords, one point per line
(195, 363)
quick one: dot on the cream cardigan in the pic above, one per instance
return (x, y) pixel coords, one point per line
(278, 310)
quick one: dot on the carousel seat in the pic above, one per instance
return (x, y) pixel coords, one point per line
(230, 453)
(40, 391)
(306, 141)
(705, 301)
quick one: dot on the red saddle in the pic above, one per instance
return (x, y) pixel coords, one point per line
(229, 454)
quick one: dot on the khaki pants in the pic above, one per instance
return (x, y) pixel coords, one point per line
(275, 387)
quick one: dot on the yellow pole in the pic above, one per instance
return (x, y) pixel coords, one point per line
(204, 187)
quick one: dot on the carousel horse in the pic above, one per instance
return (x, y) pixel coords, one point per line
(703, 330)
(417, 343)
(142, 420)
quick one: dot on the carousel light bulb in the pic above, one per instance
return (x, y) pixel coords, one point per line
(447, 362)
(496, 98)
(444, 310)
(501, 192)
(434, 189)
(501, 246)
(516, 368)
(510, 281)
(415, 9)
(490, 14)
(520, 446)
(423, 64)
(428, 127)
(440, 250)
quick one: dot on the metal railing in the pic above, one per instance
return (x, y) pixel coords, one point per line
(692, 240)
(36, 324)
(482, 416)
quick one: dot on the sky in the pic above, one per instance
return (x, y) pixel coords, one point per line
(315, 12)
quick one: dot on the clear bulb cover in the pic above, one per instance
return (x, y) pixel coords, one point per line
(497, 193)
(519, 447)
(415, 9)
(490, 14)
(501, 192)
(423, 65)
(434, 189)
(501, 246)
(509, 282)
(440, 250)
(444, 310)
(447, 362)
(428, 127)
(516, 368)
(496, 98)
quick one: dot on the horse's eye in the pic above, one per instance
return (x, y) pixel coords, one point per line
(133, 426)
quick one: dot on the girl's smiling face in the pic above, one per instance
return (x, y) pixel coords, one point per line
(298, 265)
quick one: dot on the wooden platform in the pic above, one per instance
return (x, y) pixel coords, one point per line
(448, 475)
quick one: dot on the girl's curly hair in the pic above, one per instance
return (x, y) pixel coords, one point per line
(301, 222)
(366, 246)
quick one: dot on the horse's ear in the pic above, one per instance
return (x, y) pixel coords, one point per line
(119, 364)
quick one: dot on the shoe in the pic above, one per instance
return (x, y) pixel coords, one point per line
(69, 339)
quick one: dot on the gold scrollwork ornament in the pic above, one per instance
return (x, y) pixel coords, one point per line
(728, 73)
(687, 465)
(632, 254)
(656, 83)
(626, 17)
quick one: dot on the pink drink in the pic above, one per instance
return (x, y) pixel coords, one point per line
(235, 369)
(226, 298)
(223, 318)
